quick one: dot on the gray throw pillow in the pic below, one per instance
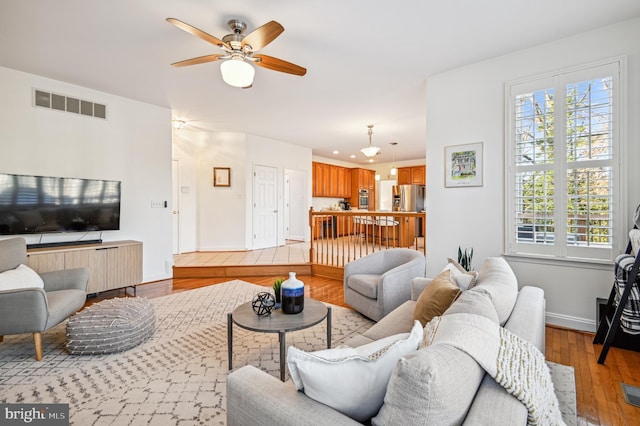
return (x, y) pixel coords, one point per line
(433, 386)
(475, 301)
(497, 278)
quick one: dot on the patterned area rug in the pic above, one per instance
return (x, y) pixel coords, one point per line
(179, 375)
(564, 385)
(176, 377)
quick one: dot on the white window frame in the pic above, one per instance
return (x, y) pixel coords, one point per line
(558, 80)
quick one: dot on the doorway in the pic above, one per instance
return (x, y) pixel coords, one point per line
(295, 204)
(265, 207)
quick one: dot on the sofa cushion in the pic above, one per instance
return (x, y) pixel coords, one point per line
(465, 279)
(351, 380)
(365, 284)
(20, 277)
(475, 301)
(529, 309)
(490, 399)
(433, 386)
(400, 320)
(436, 298)
(418, 284)
(497, 278)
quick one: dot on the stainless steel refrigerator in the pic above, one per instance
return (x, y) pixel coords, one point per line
(408, 198)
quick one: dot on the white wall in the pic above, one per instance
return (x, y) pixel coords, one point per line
(466, 105)
(268, 152)
(133, 145)
(221, 210)
(187, 145)
(220, 218)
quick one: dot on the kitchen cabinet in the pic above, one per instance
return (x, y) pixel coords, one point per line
(396, 231)
(407, 231)
(344, 182)
(334, 189)
(415, 175)
(404, 175)
(344, 225)
(331, 181)
(320, 179)
(322, 227)
(112, 265)
(363, 179)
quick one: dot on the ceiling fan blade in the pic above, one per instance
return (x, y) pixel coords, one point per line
(279, 65)
(198, 60)
(262, 36)
(197, 32)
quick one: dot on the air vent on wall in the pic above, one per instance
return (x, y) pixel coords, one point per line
(69, 104)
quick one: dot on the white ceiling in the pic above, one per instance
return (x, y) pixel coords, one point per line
(367, 60)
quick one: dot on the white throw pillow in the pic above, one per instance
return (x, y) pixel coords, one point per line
(464, 279)
(21, 277)
(352, 380)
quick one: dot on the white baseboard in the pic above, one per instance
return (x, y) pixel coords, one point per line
(156, 277)
(567, 321)
(221, 248)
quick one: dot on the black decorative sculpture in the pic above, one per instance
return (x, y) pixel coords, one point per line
(263, 303)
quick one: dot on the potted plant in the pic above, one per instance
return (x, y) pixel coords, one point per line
(465, 258)
(277, 284)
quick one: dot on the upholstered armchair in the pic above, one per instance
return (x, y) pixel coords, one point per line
(35, 309)
(378, 283)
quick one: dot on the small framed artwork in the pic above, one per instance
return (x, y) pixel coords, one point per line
(221, 176)
(463, 165)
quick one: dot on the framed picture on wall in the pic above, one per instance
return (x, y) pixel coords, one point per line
(463, 165)
(221, 176)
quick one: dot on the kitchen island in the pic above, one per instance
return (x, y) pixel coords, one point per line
(395, 229)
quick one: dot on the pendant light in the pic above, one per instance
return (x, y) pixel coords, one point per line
(394, 169)
(370, 151)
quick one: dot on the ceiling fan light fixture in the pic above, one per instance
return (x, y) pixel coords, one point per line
(237, 72)
(370, 151)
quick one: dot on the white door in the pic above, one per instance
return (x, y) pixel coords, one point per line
(298, 217)
(265, 207)
(175, 206)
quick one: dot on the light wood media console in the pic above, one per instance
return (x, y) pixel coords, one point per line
(112, 264)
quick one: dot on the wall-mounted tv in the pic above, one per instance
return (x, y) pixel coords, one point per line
(44, 204)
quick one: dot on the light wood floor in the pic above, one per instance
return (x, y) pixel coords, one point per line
(289, 254)
(599, 395)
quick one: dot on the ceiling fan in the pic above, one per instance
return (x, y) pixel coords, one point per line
(239, 50)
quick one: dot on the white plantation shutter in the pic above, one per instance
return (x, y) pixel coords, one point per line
(563, 164)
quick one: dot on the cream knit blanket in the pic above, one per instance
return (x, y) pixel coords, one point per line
(513, 362)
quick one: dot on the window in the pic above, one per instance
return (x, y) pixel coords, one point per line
(563, 191)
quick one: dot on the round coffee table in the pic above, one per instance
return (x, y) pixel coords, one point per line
(278, 322)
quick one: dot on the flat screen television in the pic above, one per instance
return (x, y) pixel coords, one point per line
(45, 204)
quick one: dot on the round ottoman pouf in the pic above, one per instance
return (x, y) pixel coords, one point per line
(113, 325)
